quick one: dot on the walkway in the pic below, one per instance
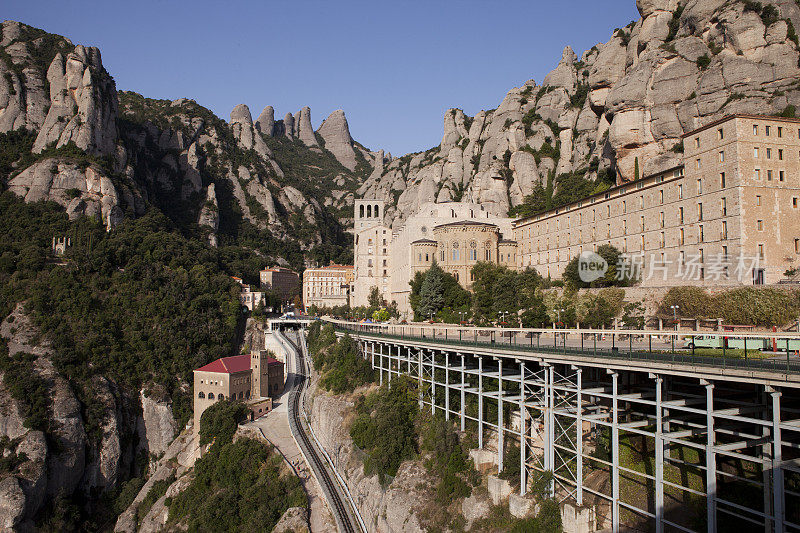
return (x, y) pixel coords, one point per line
(275, 426)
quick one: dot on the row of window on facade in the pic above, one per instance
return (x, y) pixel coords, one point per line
(768, 129)
(370, 211)
(681, 239)
(623, 208)
(680, 216)
(241, 396)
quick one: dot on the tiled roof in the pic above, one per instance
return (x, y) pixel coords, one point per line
(228, 365)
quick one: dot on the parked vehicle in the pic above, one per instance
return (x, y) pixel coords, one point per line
(702, 341)
(752, 344)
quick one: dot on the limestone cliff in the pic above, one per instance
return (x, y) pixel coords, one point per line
(102, 153)
(683, 64)
(76, 454)
(384, 509)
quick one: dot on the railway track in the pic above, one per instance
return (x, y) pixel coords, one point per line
(330, 487)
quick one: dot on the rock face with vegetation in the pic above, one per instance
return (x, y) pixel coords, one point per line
(618, 109)
(54, 450)
(70, 137)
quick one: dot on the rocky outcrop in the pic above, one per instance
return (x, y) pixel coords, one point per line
(157, 426)
(386, 509)
(69, 460)
(23, 100)
(288, 126)
(303, 129)
(83, 104)
(631, 98)
(176, 461)
(294, 520)
(265, 123)
(12, 504)
(245, 132)
(81, 190)
(74, 101)
(209, 214)
(335, 131)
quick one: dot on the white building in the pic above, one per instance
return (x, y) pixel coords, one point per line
(383, 258)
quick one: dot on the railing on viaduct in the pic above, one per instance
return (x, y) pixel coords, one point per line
(642, 426)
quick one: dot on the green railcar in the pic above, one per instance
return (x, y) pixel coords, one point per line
(702, 341)
(751, 343)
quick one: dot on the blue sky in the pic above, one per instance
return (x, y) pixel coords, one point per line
(393, 67)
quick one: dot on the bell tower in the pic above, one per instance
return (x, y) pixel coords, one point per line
(259, 369)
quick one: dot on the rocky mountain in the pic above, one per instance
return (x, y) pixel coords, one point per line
(100, 152)
(621, 105)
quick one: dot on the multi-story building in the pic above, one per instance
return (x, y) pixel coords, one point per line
(371, 254)
(285, 283)
(328, 286)
(253, 378)
(250, 299)
(727, 216)
(388, 259)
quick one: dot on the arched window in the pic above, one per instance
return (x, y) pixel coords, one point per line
(201, 395)
(361, 211)
(210, 395)
(369, 211)
(221, 396)
(247, 395)
(377, 212)
(241, 395)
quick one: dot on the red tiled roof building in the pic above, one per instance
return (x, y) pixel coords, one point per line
(252, 378)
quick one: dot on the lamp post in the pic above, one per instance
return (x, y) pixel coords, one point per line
(559, 313)
(675, 315)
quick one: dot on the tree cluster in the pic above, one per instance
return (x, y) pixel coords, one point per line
(339, 362)
(238, 485)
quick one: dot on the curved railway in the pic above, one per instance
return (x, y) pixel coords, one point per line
(330, 487)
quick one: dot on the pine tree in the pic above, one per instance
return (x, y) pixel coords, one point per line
(431, 294)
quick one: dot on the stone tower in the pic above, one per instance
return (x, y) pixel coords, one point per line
(260, 374)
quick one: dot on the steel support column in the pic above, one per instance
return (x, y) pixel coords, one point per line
(579, 438)
(480, 402)
(659, 466)
(433, 381)
(380, 364)
(550, 431)
(419, 376)
(777, 459)
(614, 453)
(463, 407)
(523, 479)
(711, 461)
(447, 385)
(499, 415)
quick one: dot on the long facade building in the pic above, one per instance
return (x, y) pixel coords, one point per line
(729, 215)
